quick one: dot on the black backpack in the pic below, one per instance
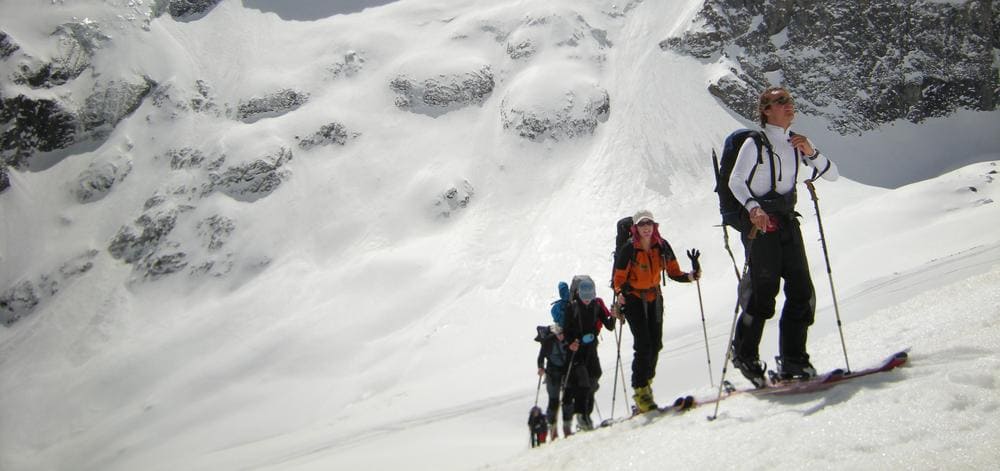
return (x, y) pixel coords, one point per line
(729, 207)
(623, 236)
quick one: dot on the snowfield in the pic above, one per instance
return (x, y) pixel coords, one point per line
(331, 233)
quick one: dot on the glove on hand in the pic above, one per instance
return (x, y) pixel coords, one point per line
(693, 254)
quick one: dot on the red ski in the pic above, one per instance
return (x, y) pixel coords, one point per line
(818, 383)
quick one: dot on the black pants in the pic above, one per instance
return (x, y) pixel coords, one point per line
(776, 256)
(645, 320)
(582, 382)
(576, 396)
(553, 383)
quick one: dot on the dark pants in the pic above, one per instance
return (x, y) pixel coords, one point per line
(645, 319)
(553, 383)
(577, 396)
(775, 256)
(582, 382)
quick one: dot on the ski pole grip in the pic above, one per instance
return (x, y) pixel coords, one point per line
(812, 190)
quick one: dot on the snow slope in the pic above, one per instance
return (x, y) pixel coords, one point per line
(361, 329)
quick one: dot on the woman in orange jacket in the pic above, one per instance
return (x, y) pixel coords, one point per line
(639, 265)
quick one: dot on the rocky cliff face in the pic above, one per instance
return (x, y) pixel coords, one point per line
(37, 120)
(859, 64)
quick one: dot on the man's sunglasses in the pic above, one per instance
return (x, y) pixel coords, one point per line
(781, 100)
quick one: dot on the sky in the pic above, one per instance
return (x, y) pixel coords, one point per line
(361, 327)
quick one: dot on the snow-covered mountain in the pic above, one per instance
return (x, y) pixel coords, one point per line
(298, 235)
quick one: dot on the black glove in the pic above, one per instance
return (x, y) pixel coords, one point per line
(693, 254)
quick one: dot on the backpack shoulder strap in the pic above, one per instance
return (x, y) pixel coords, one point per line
(762, 141)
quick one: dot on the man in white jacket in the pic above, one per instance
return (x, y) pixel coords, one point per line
(763, 179)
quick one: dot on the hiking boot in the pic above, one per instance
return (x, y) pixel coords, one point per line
(584, 422)
(643, 398)
(553, 431)
(567, 431)
(752, 369)
(795, 368)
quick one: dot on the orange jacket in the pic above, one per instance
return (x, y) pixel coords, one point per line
(637, 271)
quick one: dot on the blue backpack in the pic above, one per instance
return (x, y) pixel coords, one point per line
(559, 306)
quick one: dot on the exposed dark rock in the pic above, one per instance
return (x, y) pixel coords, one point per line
(559, 30)
(454, 199)
(7, 46)
(159, 266)
(185, 158)
(215, 231)
(578, 116)
(254, 180)
(153, 201)
(333, 133)
(96, 181)
(443, 93)
(275, 104)
(31, 125)
(216, 268)
(858, 65)
(522, 49)
(190, 10)
(351, 64)
(25, 296)
(736, 94)
(112, 102)
(204, 101)
(4, 177)
(177, 100)
(75, 46)
(17, 302)
(136, 242)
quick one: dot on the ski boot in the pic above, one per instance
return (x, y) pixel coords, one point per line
(795, 369)
(752, 369)
(583, 421)
(643, 398)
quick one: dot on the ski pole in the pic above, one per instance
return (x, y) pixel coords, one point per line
(538, 390)
(628, 407)
(569, 370)
(725, 241)
(693, 254)
(829, 272)
(732, 330)
(618, 343)
(725, 233)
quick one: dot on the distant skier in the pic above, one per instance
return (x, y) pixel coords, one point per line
(764, 179)
(537, 426)
(553, 358)
(638, 264)
(585, 314)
